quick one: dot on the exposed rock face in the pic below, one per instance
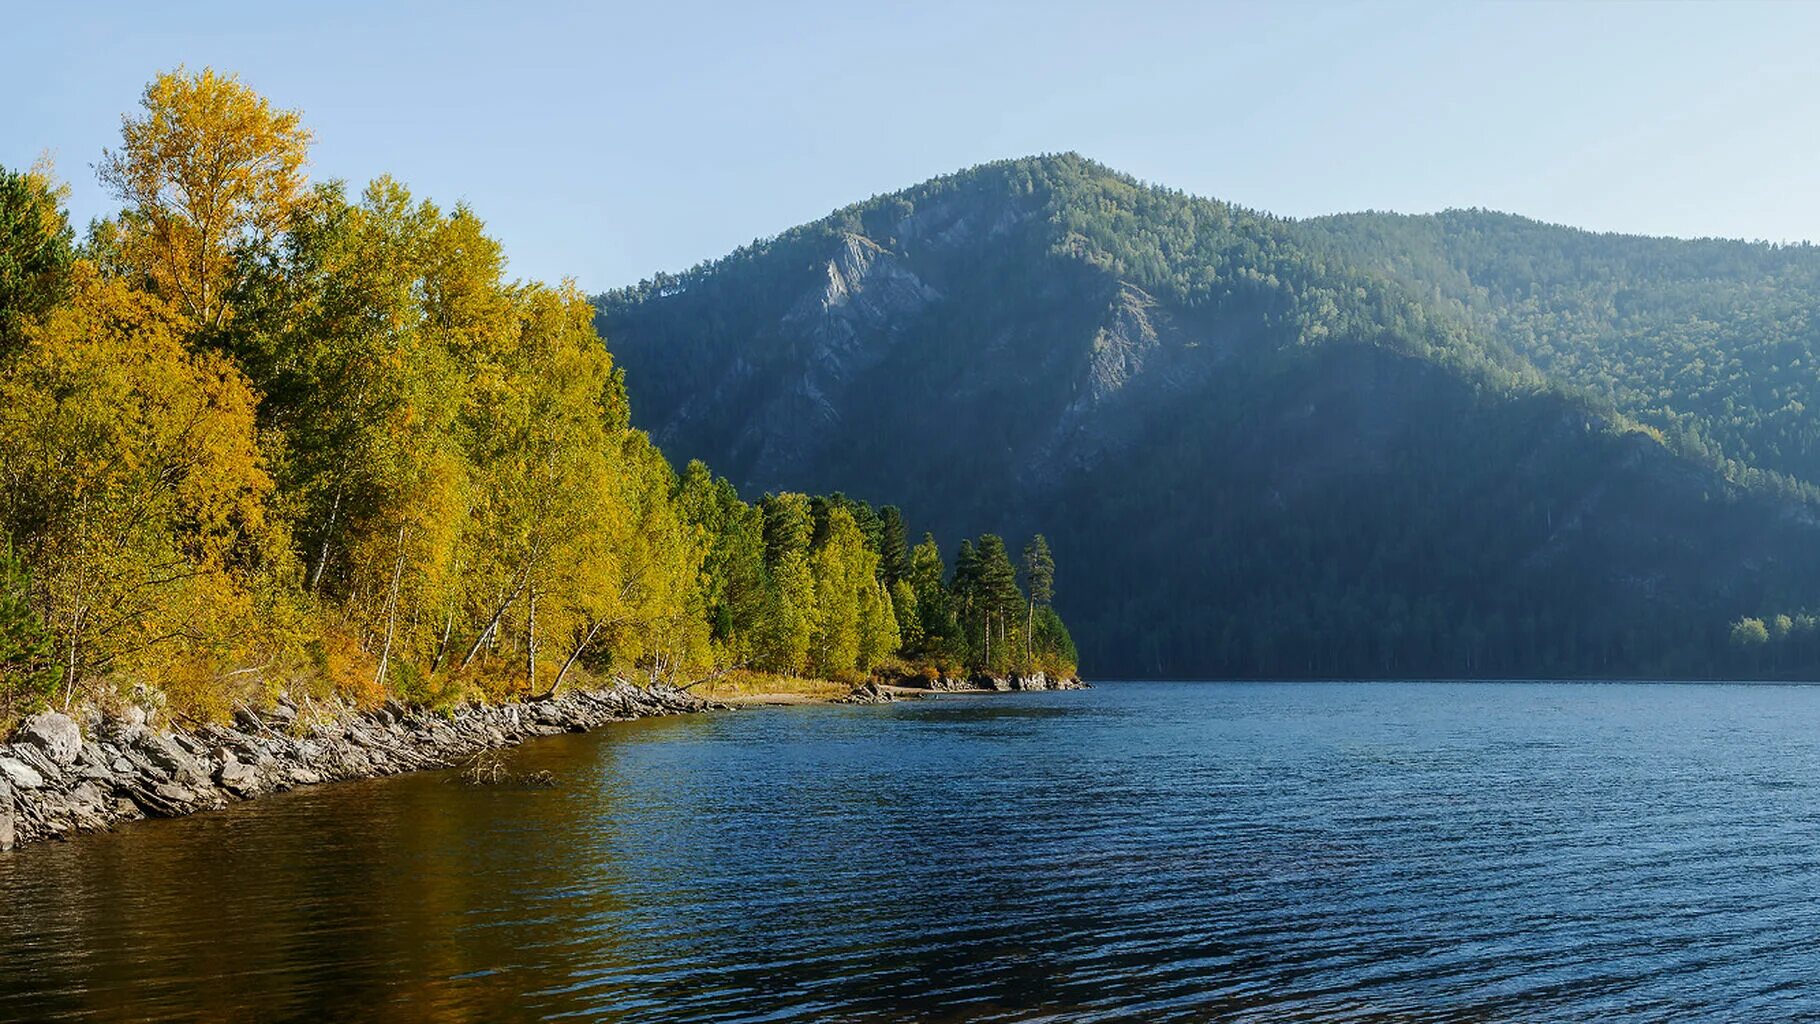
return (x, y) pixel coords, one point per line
(57, 735)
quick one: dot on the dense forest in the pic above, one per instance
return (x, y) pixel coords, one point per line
(259, 434)
(1465, 444)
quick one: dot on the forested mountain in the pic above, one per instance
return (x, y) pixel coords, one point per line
(1367, 445)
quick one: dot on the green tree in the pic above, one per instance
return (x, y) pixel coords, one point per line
(1039, 577)
(35, 250)
(893, 546)
(28, 659)
(998, 598)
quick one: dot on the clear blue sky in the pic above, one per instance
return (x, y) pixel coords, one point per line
(606, 143)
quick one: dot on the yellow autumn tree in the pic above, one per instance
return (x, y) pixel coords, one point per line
(133, 481)
(208, 168)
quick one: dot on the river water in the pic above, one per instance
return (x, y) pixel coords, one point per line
(1153, 851)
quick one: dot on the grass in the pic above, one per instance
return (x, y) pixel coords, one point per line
(755, 684)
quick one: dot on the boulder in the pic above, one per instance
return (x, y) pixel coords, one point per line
(56, 734)
(238, 778)
(165, 755)
(19, 774)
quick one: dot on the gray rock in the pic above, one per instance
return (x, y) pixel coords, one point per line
(37, 759)
(8, 831)
(239, 778)
(174, 793)
(168, 757)
(55, 733)
(20, 774)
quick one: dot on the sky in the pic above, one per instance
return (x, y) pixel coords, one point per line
(606, 142)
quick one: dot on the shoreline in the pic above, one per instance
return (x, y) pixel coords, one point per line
(59, 780)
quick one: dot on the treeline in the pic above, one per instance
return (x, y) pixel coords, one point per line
(257, 433)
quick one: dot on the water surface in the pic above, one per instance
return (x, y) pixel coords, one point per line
(1191, 851)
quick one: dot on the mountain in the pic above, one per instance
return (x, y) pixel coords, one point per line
(1466, 444)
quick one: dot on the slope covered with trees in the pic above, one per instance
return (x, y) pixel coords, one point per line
(1463, 445)
(259, 434)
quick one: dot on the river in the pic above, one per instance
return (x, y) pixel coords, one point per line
(1140, 851)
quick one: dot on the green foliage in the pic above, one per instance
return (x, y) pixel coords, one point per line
(35, 250)
(1466, 444)
(29, 672)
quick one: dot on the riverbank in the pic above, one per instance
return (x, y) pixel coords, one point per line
(58, 779)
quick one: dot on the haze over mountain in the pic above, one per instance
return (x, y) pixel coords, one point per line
(1370, 444)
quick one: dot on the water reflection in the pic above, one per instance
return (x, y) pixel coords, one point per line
(1188, 851)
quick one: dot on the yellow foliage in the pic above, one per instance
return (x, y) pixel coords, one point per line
(208, 166)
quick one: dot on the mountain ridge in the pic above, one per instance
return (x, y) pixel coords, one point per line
(1026, 334)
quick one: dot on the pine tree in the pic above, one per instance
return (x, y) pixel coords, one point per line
(893, 546)
(1039, 577)
(998, 595)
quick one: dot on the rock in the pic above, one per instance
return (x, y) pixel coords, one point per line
(8, 831)
(281, 717)
(174, 793)
(20, 774)
(36, 758)
(867, 693)
(165, 755)
(56, 734)
(302, 777)
(238, 778)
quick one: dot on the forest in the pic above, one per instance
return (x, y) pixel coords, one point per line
(260, 434)
(1465, 444)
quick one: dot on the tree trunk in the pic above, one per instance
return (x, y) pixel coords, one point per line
(531, 640)
(442, 646)
(1029, 632)
(576, 653)
(328, 534)
(69, 682)
(391, 619)
(492, 624)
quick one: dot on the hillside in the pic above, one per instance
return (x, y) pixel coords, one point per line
(1368, 445)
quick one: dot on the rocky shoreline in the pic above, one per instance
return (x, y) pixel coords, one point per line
(59, 779)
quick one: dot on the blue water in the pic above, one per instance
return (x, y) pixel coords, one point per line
(1186, 851)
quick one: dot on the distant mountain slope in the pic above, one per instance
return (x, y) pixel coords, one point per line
(1711, 341)
(1260, 447)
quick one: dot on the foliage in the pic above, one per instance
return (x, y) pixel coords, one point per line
(35, 249)
(29, 672)
(266, 435)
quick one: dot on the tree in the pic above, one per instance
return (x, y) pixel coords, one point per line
(28, 659)
(209, 167)
(131, 478)
(845, 570)
(1039, 576)
(893, 546)
(998, 596)
(35, 249)
(1749, 632)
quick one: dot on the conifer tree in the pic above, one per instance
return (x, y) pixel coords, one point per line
(1039, 577)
